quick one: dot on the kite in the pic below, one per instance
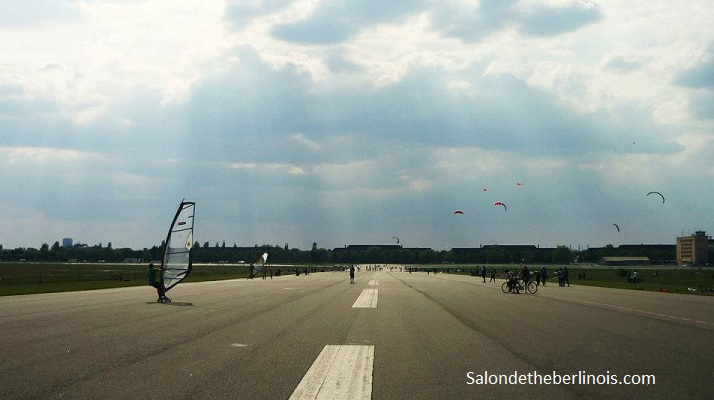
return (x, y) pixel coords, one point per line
(498, 203)
(660, 195)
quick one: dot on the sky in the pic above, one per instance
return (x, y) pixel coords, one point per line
(350, 122)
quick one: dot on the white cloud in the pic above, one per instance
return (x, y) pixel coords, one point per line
(405, 114)
(21, 155)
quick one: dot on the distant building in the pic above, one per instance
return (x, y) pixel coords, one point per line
(693, 249)
(67, 243)
(624, 261)
(365, 247)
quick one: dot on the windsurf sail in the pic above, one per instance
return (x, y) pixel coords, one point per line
(176, 264)
(258, 265)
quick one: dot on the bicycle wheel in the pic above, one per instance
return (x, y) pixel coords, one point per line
(504, 287)
(532, 287)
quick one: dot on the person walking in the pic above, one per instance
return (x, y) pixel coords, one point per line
(271, 272)
(537, 276)
(493, 275)
(483, 273)
(560, 277)
(352, 274)
(544, 274)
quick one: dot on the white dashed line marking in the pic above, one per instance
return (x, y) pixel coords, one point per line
(373, 282)
(641, 311)
(367, 299)
(339, 372)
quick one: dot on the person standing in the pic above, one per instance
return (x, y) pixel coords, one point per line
(560, 277)
(352, 273)
(483, 273)
(158, 284)
(526, 275)
(493, 275)
(537, 276)
(271, 272)
(544, 274)
(566, 279)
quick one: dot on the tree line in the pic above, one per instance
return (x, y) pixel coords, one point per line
(205, 253)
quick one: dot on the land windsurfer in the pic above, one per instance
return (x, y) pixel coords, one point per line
(158, 284)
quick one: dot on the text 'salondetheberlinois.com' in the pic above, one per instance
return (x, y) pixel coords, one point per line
(554, 378)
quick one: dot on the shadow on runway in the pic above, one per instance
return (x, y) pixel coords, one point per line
(173, 303)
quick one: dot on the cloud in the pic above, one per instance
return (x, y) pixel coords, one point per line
(550, 20)
(240, 115)
(699, 76)
(337, 20)
(337, 63)
(620, 64)
(472, 23)
(240, 13)
(702, 105)
(27, 13)
(301, 139)
(14, 155)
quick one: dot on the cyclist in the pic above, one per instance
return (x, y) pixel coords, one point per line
(512, 281)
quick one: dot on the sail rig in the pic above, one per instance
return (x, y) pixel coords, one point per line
(258, 265)
(176, 264)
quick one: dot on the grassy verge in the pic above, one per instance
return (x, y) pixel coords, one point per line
(28, 278)
(666, 279)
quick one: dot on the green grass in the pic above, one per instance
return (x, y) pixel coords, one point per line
(668, 279)
(27, 278)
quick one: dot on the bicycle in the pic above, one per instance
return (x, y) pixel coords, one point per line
(520, 286)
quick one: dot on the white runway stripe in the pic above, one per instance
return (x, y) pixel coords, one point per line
(339, 372)
(373, 282)
(367, 299)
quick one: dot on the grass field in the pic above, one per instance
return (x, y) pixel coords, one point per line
(26, 278)
(666, 279)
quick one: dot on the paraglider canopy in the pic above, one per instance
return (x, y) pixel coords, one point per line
(499, 203)
(660, 195)
(394, 237)
(458, 212)
(618, 228)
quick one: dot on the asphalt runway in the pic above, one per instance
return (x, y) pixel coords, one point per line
(391, 335)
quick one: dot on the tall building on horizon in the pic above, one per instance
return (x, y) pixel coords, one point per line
(67, 242)
(693, 249)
